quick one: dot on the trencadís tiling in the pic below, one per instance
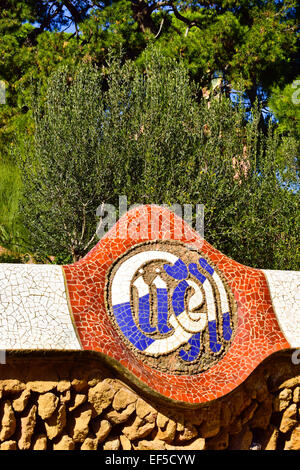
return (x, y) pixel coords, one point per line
(185, 320)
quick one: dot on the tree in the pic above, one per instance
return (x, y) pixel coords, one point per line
(23, 61)
(284, 103)
(61, 166)
(148, 135)
(252, 42)
(240, 39)
(248, 44)
(11, 231)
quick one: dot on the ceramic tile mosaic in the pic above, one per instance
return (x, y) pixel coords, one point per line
(169, 303)
(183, 318)
(285, 293)
(34, 312)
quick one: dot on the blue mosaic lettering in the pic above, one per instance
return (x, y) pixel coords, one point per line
(123, 315)
(227, 331)
(213, 340)
(206, 266)
(178, 271)
(195, 272)
(178, 297)
(144, 314)
(193, 352)
(162, 311)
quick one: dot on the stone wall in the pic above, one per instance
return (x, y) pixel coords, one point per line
(73, 401)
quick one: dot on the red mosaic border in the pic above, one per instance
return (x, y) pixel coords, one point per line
(258, 334)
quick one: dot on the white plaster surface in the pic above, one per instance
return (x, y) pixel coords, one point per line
(285, 292)
(34, 311)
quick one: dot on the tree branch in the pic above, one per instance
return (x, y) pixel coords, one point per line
(160, 28)
(179, 16)
(46, 23)
(142, 12)
(77, 15)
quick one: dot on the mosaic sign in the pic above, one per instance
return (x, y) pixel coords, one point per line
(178, 317)
(171, 306)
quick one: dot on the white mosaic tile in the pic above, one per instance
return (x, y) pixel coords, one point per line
(34, 311)
(120, 292)
(285, 292)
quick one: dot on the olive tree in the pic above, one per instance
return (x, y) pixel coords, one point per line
(150, 135)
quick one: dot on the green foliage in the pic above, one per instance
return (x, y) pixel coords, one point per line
(285, 104)
(11, 230)
(112, 28)
(10, 259)
(61, 169)
(21, 64)
(148, 135)
(253, 43)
